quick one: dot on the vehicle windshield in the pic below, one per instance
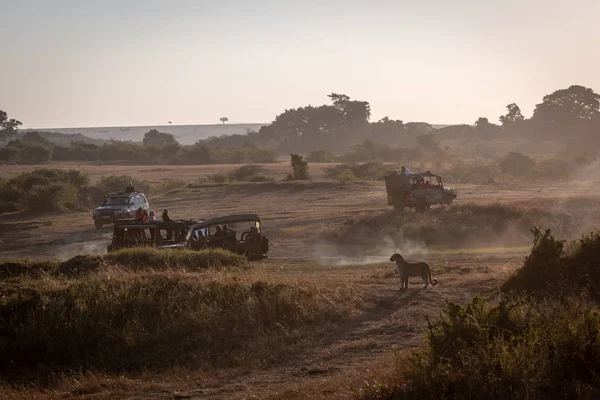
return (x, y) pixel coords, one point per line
(117, 201)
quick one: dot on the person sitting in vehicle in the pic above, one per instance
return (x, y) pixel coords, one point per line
(130, 188)
(139, 215)
(422, 183)
(427, 184)
(218, 232)
(253, 236)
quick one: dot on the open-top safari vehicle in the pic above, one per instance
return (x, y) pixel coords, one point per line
(237, 233)
(158, 234)
(240, 233)
(418, 190)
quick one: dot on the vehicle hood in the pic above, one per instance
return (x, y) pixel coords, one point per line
(450, 191)
(110, 208)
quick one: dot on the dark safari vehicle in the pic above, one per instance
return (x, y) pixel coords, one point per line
(119, 205)
(158, 234)
(418, 190)
(237, 233)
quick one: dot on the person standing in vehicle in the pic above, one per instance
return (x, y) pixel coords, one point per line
(166, 218)
(130, 188)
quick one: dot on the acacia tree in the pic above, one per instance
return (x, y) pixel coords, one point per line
(8, 127)
(223, 120)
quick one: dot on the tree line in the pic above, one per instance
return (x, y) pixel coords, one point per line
(572, 113)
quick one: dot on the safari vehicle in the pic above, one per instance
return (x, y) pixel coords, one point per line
(417, 190)
(243, 235)
(118, 205)
(158, 234)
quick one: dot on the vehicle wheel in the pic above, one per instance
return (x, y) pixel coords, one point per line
(98, 224)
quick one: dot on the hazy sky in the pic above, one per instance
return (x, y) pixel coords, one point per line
(74, 63)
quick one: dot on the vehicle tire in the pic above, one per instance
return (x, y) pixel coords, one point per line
(98, 224)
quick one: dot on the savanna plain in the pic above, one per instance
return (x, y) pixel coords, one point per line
(322, 317)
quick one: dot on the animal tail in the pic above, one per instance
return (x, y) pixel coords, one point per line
(434, 281)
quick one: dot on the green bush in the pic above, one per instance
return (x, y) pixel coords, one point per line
(299, 167)
(371, 171)
(321, 156)
(21, 152)
(118, 183)
(516, 164)
(550, 268)
(250, 173)
(51, 197)
(517, 349)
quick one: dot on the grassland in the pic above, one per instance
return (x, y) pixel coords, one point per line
(321, 318)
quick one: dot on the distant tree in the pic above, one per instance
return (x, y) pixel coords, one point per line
(223, 120)
(8, 127)
(512, 116)
(158, 139)
(299, 167)
(568, 106)
(354, 113)
(484, 127)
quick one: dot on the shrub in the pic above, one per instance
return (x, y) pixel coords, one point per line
(51, 197)
(516, 164)
(550, 269)
(248, 173)
(26, 153)
(321, 156)
(169, 184)
(218, 178)
(371, 171)
(517, 349)
(118, 183)
(299, 167)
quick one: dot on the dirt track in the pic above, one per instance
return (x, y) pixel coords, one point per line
(334, 367)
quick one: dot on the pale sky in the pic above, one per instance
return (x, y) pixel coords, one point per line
(77, 63)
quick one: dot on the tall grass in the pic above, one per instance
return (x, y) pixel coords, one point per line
(121, 321)
(133, 259)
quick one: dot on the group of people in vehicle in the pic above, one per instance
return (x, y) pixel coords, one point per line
(142, 215)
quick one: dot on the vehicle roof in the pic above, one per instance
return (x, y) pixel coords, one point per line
(131, 223)
(228, 219)
(124, 194)
(423, 173)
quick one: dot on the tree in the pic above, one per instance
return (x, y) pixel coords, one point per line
(485, 127)
(8, 127)
(223, 120)
(158, 139)
(568, 106)
(354, 113)
(512, 116)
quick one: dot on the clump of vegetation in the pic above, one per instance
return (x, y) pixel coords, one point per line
(370, 171)
(250, 173)
(132, 259)
(119, 322)
(552, 267)
(299, 168)
(321, 156)
(516, 349)
(516, 164)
